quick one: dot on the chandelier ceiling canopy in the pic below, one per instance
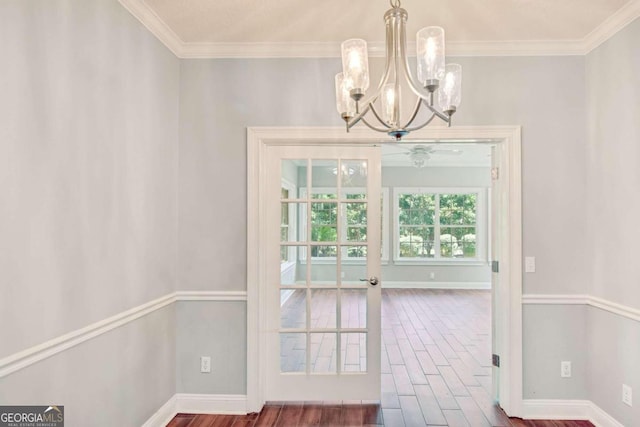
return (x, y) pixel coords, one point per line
(437, 85)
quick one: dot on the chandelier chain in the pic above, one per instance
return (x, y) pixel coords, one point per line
(395, 3)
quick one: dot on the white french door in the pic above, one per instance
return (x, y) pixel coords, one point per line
(322, 291)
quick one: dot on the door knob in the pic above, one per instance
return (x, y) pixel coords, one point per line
(373, 280)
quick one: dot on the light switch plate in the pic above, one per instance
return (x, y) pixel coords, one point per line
(627, 396)
(530, 264)
(205, 364)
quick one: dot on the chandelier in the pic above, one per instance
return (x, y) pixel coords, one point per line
(436, 82)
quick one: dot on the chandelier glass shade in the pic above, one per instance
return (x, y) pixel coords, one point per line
(437, 85)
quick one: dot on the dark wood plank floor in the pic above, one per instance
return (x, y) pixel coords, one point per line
(436, 371)
(337, 414)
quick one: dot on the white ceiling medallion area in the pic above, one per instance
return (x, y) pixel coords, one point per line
(150, 19)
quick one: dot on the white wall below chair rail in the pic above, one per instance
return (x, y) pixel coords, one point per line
(25, 358)
(232, 404)
(542, 409)
(603, 304)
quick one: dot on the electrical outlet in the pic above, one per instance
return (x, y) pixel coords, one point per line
(565, 369)
(205, 364)
(627, 395)
(530, 264)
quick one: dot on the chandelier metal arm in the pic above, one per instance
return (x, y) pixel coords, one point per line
(377, 129)
(429, 120)
(416, 110)
(377, 116)
(435, 111)
(358, 117)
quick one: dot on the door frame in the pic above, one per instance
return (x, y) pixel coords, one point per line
(509, 314)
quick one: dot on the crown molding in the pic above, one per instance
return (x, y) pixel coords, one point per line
(147, 17)
(139, 9)
(616, 22)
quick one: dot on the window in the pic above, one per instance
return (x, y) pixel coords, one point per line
(324, 223)
(445, 225)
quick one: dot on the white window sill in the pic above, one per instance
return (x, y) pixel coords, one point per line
(360, 261)
(440, 262)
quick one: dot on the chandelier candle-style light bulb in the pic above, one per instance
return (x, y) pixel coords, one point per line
(388, 101)
(345, 105)
(435, 80)
(355, 66)
(450, 89)
(430, 50)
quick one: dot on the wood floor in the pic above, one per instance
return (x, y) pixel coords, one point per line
(436, 371)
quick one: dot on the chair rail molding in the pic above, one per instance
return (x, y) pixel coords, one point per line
(593, 301)
(27, 357)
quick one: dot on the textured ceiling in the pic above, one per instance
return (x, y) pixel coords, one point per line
(287, 21)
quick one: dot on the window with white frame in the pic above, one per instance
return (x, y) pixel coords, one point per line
(440, 224)
(324, 222)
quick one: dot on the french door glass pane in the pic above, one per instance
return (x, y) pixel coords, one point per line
(324, 271)
(290, 270)
(353, 308)
(324, 174)
(353, 173)
(353, 352)
(323, 352)
(323, 308)
(293, 352)
(355, 217)
(293, 308)
(290, 212)
(352, 273)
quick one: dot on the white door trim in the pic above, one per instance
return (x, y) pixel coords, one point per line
(507, 138)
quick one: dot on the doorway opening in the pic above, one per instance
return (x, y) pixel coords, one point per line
(436, 284)
(505, 248)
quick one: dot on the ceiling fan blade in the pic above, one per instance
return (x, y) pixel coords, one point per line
(447, 152)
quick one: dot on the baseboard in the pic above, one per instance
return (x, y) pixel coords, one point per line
(435, 285)
(164, 415)
(235, 404)
(600, 418)
(555, 409)
(231, 404)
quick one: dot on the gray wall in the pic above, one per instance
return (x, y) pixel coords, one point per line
(128, 373)
(221, 98)
(92, 109)
(217, 329)
(613, 159)
(88, 206)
